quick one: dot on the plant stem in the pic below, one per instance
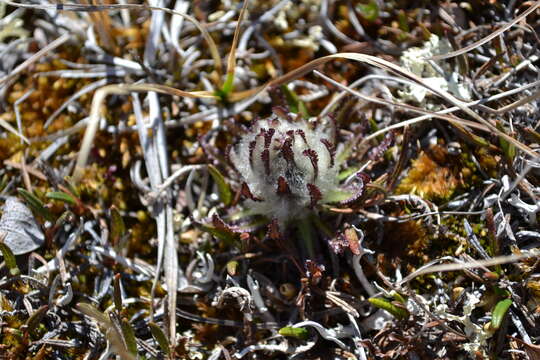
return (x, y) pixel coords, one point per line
(308, 237)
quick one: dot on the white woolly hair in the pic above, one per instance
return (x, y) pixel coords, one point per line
(248, 159)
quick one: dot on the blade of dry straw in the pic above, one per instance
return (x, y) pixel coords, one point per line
(454, 120)
(294, 74)
(11, 129)
(103, 26)
(469, 265)
(388, 66)
(493, 35)
(231, 61)
(212, 47)
(119, 89)
(53, 45)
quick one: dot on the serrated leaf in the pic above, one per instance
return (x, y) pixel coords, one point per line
(61, 196)
(397, 311)
(298, 333)
(160, 337)
(35, 204)
(224, 189)
(499, 313)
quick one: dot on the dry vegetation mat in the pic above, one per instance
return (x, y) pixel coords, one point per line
(307, 179)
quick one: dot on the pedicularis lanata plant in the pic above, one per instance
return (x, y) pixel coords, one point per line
(289, 167)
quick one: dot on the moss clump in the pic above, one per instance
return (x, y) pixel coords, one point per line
(434, 175)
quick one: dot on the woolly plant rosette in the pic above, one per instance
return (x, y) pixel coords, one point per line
(288, 166)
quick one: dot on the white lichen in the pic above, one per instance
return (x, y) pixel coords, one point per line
(416, 61)
(312, 40)
(11, 25)
(477, 335)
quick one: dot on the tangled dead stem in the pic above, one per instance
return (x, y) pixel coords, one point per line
(316, 179)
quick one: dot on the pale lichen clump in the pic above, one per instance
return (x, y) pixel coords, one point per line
(288, 165)
(416, 60)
